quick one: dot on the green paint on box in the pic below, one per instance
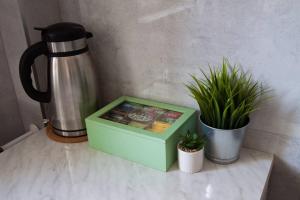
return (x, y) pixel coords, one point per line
(155, 150)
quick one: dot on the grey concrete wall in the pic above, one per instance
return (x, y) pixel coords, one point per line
(14, 42)
(69, 11)
(39, 13)
(10, 118)
(17, 19)
(148, 48)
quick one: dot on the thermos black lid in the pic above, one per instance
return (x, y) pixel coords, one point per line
(62, 32)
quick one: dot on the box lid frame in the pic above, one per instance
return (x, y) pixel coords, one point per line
(162, 137)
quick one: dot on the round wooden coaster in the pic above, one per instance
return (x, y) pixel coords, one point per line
(63, 139)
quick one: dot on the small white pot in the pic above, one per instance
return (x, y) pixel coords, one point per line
(190, 162)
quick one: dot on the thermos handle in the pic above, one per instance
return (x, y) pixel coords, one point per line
(88, 35)
(26, 62)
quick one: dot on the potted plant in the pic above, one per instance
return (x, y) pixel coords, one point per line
(226, 96)
(190, 152)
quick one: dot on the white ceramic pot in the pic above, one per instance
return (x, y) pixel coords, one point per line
(190, 162)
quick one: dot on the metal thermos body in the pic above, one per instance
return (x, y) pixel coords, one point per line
(73, 88)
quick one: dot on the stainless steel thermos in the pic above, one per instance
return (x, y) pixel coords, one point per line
(71, 90)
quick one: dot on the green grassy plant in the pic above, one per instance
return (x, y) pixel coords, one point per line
(226, 96)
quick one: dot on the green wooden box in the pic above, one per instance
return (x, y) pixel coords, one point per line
(143, 131)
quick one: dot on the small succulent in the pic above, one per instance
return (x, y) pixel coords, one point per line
(191, 142)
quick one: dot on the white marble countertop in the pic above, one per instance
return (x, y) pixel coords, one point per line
(38, 168)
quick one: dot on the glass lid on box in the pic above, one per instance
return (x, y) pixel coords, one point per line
(142, 116)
